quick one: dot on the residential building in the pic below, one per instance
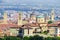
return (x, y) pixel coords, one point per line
(54, 29)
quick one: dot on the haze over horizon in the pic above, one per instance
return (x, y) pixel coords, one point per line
(49, 4)
(41, 3)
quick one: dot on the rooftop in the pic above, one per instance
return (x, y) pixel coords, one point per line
(54, 25)
(40, 16)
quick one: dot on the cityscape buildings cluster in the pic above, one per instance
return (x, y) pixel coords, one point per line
(29, 26)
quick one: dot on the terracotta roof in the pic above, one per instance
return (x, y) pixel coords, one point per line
(58, 21)
(54, 25)
(43, 23)
(9, 25)
(34, 25)
(28, 26)
(1, 30)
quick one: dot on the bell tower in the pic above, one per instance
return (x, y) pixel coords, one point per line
(19, 18)
(52, 15)
(5, 18)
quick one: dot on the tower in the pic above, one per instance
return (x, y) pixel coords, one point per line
(52, 15)
(47, 17)
(5, 18)
(20, 18)
(33, 17)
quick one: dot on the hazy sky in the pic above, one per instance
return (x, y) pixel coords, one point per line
(31, 2)
(40, 3)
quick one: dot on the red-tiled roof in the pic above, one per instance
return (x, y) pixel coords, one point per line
(43, 23)
(9, 25)
(34, 25)
(31, 24)
(28, 26)
(54, 25)
(1, 30)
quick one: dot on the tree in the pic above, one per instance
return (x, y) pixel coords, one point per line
(25, 38)
(54, 38)
(18, 38)
(49, 22)
(5, 36)
(58, 38)
(48, 38)
(46, 32)
(31, 38)
(12, 38)
(36, 37)
(1, 39)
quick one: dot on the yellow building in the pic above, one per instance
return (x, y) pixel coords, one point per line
(25, 22)
(40, 19)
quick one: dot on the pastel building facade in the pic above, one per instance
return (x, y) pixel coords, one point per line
(24, 28)
(32, 18)
(34, 29)
(40, 19)
(54, 29)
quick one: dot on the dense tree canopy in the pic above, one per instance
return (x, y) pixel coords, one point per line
(36, 37)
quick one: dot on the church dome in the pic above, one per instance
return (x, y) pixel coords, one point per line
(40, 16)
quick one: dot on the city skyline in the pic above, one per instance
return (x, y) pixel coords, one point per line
(43, 6)
(27, 18)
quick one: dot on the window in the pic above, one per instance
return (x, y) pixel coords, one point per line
(28, 31)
